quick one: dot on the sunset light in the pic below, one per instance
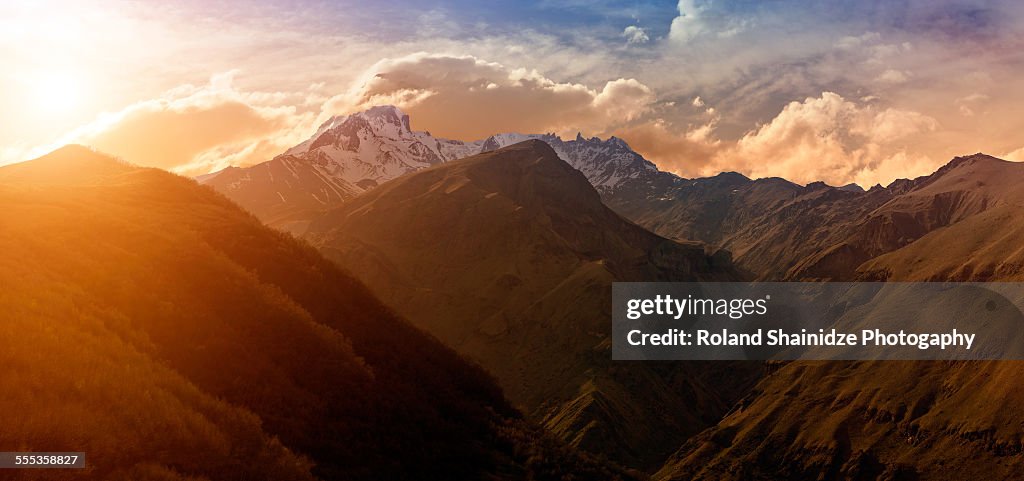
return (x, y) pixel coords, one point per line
(512, 240)
(868, 96)
(55, 93)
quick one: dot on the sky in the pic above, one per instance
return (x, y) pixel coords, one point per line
(839, 91)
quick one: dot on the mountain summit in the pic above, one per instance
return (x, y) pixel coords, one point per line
(374, 146)
(510, 255)
(351, 154)
(607, 164)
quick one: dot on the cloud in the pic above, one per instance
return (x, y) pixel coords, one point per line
(826, 138)
(1016, 155)
(851, 42)
(690, 22)
(194, 130)
(967, 104)
(686, 153)
(635, 35)
(831, 139)
(893, 76)
(464, 97)
(699, 18)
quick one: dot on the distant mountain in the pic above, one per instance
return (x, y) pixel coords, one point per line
(608, 164)
(351, 154)
(347, 155)
(891, 420)
(509, 261)
(159, 328)
(780, 230)
(967, 223)
(774, 228)
(509, 256)
(852, 188)
(284, 192)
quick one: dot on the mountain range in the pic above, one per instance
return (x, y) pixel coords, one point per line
(783, 231)
(891, 420)
(489, 258)
(773, 228)
(354, 153)
(162, 330)
(508, 256)
(485, 278)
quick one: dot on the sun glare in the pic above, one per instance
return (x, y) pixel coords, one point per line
(56, 93)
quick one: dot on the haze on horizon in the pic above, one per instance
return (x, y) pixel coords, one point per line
(842, 91)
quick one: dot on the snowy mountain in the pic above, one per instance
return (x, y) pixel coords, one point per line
(375, 146)
(607, 164)
(354, 153)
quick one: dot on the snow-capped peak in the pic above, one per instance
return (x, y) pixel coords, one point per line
(606, 163)
(375, 145)
(384, 117)
(382, 120)
(378, 144)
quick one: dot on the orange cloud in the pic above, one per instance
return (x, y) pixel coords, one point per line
(194, 130)
(684, 153)
(825, 138)
(1016, 155)
(831, 139)
(463, 97)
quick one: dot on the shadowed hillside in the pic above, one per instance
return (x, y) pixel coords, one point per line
(780, 230)
(509, 257)
(160, 329)
(893, 420)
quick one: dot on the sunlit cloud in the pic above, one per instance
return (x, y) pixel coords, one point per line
(635, 35)
(827, 138)
(894, 76)
(686, 152)
(697, 85)
(464, 97)
(1016, 155)
(831, 139)
(196, 129)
